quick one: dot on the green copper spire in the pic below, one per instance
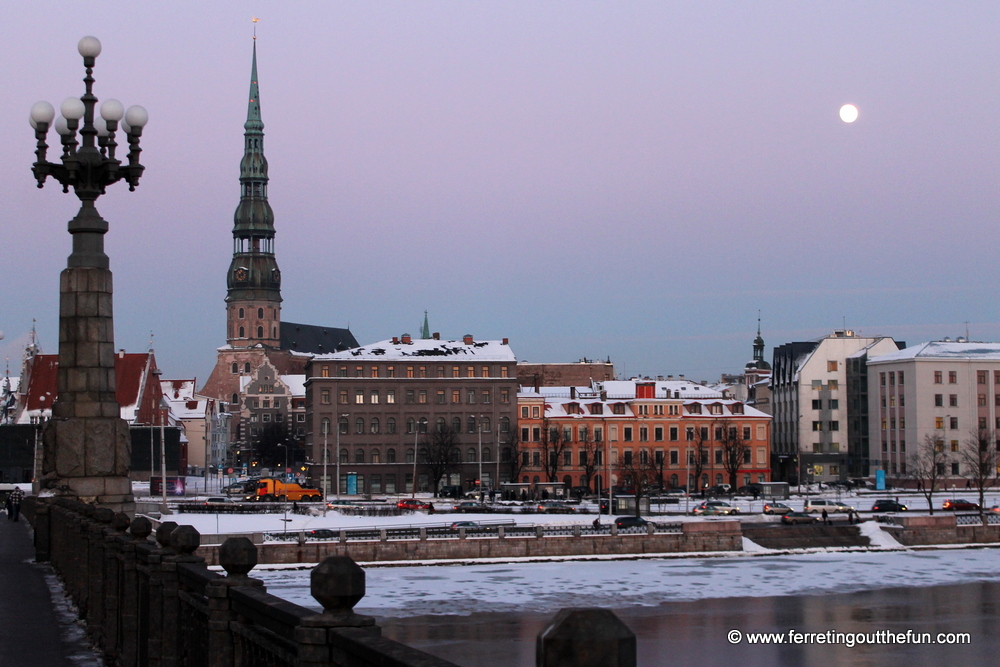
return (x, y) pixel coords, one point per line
(253, 273)
(425, 330)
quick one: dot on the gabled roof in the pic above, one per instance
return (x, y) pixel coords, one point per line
(945, 351)
(312, 339)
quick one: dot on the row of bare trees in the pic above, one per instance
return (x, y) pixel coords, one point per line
(977, 457)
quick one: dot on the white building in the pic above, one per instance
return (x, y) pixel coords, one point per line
(810, 397)
(949, 391)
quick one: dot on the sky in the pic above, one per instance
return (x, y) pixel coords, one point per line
(633, 180)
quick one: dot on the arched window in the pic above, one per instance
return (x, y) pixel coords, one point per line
(342, 424)
(390, 425)
(504, 425)
(359, 425)
(324, 427)
(471, 425)
(375, 425)
(441, 425)
(423, 424)
(343, 456)
(260, 332)
(411, 425)
(455, 455)
(470, 455)
(456, 424)
(359, 456)
(236, 399)
(486, 426)
(423, 455)
(260, 313)
(243, 332)
(536, 479)
(376, 456)
(246, 367)
(236, 368)
(390, 456)
(487, 454)
(524, 480)
(274, 332)
(242, 314)
(718, 478)
(568, 482)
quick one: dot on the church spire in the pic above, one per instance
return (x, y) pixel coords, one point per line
(254, 281)
(425, 330)
(758, 349)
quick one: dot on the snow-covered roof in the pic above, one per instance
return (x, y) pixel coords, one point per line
(664, 389)
(944, 350)
(426, 348)
(555, 406)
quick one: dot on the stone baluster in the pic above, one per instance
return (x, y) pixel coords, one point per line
(183, 541)
(238, 556)
(139, 529)
(585, 638)
(156, 591)
(96, 533)
(338, 584)
(114, 542)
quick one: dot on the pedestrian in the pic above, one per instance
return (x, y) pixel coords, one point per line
(14, 500)
(968, 483)
(597, 523)
(826, 518)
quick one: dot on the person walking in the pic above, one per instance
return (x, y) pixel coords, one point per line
(14, 502)
(597, 523)
(826, 518)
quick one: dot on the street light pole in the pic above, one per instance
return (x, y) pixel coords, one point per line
(344, 416)
(326, 456)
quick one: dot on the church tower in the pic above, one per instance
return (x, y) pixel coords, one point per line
(253, 301)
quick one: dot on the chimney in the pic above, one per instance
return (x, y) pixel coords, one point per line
(406, 339)
(467, 339)
(670, 377)
(572, 393)
(604, 395)
(395, 340)
(436, 335)
(505, 341)
(121, 353)
(536, 381)
(681, 376)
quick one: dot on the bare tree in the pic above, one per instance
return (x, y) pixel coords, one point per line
(698, 439)
(590, 459)
(553, 446)
(639, 473)
(979, 460)
(439, 459)
(735, 450)
(513, 461)
(928, 466)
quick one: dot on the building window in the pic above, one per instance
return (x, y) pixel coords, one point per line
(390, 371)
(598, 434)
(359, 396)
(832, 384)
(471, 425)
(881, 379)
(409, 371)
(952, 400)
(390, 396)
(627, 434)
(955, 469)
(900, 375)
(236, 368)
(470, 372)
(689, 434)
(456, 424)
(342, 425)
(359, 456)
(359, 426)
(504, 425)
(486, 371)
(342, 397)
(952, 377)
(980, 377)
(504, 371)
(456, 397)
(817, 404)
(673, 433)
(455, 372)
(834, 403)
(411, 425)
(422, 396)
(505, 396)
(938, 400)
(470, 396)
(938, 422)
(374, 371)
(410, 394)
(324, 396)
(817, 426)
(982, 400)
(658, 434)
(374, 425)
(390, 425)
(440, 371)
(486, 397)
(831, 367)
(374, 397)
(834, 426)
(954, 423)
(442, 398)
(534, 412)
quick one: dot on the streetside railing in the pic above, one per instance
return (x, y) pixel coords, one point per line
(153, 602)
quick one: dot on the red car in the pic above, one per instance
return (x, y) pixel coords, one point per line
(960, 505)
(413, 504)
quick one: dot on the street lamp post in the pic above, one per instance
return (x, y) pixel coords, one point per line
(86, 416)
(480, 430)
(344, 417)
(326, 456)
(285, 447)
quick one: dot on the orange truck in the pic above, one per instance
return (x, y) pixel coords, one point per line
(270, 489)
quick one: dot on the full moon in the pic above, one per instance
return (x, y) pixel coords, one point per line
(848, 113)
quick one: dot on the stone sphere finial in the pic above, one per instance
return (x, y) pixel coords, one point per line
(163, 533)
(185, 539)
(238, 556)
(120, 522)
(103, 514)
(338, 583)
(140, 528)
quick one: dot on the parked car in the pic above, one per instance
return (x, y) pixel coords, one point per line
(750, 490)
(217, 500)
(831, 506)
(888, 505)
(960, 505)
(630, 522)
(776, 508)
(555, 508)
(719, 490)
(235, 489)
(464, 524)
(321, 534)
(450, 492)
(715, 507)
(413, 504)
(470, 506)
(798, 517)
(995, 509)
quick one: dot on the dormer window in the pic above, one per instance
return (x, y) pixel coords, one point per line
(715, 409)
(596, 408)
(736, 408)
(572, 408)
(694, 409)
(618, 408)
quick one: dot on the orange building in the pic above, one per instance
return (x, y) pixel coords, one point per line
(676, 431)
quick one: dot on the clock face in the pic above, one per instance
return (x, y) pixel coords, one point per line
(276, 275)
(240, 274)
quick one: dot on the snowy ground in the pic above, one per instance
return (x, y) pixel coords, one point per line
(547, 587)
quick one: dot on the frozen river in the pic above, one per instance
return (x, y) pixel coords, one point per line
(476, 615)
